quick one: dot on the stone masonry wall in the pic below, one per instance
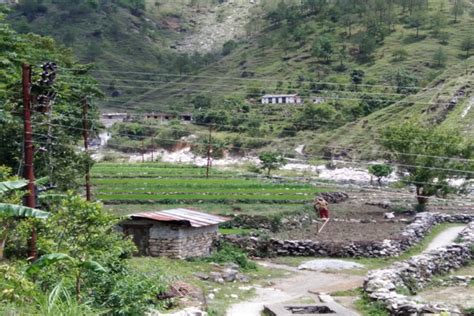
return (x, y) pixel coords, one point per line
(411, 235)
(382, 285)
(177, 241)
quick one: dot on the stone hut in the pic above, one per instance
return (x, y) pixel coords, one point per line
(175, 233)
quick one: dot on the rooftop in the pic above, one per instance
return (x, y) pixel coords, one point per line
(279, 95)
(191, 217)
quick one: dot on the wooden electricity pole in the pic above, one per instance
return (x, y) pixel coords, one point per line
(85, 135)
(209, 152)
(152, 147)
(28, 169)
(143, 150)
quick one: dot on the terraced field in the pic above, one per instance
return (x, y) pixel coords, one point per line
(158, 183)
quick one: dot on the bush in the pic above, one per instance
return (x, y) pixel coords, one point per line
(229, 253)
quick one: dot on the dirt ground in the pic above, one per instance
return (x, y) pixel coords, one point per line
(352, 221)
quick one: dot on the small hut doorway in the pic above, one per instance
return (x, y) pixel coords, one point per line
(140, 235)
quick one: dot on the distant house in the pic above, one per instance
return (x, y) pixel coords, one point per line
(115, 116)
(165, 117)
(109, 119)
(281, 99)
(175, 233)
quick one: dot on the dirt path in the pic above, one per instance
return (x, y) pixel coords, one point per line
(299, 284)
(445, 238)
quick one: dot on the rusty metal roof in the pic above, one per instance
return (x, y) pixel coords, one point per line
(192, 217)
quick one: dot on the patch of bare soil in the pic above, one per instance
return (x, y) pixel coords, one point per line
(346, 231)
(352, 222)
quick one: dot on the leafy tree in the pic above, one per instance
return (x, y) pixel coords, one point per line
(440, 57)
(323, 49)
(228, 47)
(201, 102)
(271, 161)
(429, 157)
(467, 44)
(342, 56)
(417, 20)
(444, 38)
(380, 171)
(357, 75)
(438, 23)
(367, 45)
(62, 162)
(458, 9)
(317, 116)
(405, 82)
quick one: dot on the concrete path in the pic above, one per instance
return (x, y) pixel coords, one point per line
(445, 238)
(298, 284)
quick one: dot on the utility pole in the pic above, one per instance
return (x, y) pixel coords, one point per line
(85, 135)
(209, 151)
(152, 146)
(143, 150)
(28, 171)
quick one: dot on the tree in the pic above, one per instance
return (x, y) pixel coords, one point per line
(467, 45)
(367, 47)
(429, 157)
(357, 75)
(380, 171)
(443, 38)
(440, 57)
(342, 56)
(458, 9)
(417, 20)
(323, 49)
(63, 163)
(271, 161)
(404, 81)
(438, 23)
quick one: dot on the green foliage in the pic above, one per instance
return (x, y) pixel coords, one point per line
(228, 47)
(62, 162)
(429, 156)
(380, 171)
(467, 44)
(405, 82)
(271, 161)
(323, 49)
(11, 210)
(369, 307)
(439, 57)
(229, 253)
(15, 286)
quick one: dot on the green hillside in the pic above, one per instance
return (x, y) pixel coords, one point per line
(367, 63)
(280, 56)
(446, 102)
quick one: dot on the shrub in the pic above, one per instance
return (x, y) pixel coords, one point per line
(229, 253)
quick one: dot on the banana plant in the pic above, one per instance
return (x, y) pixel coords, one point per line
(9, 212)
(78, 266)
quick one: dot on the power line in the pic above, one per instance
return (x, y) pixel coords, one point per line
(252, 79)
(272, 140)
(315, 156)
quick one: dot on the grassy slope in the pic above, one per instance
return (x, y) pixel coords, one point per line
(264, 56)
(426, 107)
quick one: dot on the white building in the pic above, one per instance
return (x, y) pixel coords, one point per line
(281, 99)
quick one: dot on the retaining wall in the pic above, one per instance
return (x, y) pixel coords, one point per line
(412, 234)
(415, 273)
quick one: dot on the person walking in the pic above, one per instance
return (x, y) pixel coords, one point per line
(321, 206)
